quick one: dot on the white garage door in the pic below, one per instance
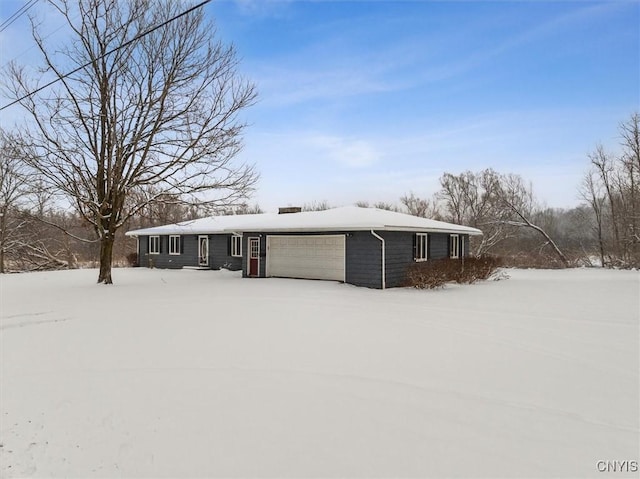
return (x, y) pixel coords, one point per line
(310, 257)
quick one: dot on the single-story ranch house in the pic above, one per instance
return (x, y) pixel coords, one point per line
(361, 246)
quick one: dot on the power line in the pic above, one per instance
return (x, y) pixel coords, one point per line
(21, 11)
(125, 44)
(26, 50)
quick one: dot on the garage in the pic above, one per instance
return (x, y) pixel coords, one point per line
(306, 256)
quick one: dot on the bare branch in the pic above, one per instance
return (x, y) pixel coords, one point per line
(158, 111)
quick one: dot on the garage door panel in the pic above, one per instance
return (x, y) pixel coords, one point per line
(311, 257)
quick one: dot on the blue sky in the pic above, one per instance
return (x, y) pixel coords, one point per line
(368, 100)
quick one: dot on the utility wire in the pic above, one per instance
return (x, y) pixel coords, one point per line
(125, 44)
(26, 50)
(21, 11)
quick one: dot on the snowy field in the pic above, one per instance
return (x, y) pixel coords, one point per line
(205, 374)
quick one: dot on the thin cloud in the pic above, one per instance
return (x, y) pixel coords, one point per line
(263, 8)
(353, 153)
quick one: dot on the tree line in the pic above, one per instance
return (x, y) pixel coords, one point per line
(36, 233)
(602, 230)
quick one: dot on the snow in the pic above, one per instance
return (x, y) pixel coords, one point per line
(347, 218)
(183, 373)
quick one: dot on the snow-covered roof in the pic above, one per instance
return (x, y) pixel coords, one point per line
(348, 218)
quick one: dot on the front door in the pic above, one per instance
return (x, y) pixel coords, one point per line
(203, 251)
(254, 257)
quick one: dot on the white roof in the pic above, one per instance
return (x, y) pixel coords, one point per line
(348, 218)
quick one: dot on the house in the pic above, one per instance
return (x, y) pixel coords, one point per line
(361, 246)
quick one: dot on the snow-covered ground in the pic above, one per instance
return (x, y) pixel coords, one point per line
(205, 374)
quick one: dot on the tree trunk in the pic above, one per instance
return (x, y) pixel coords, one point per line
(3, 219)
(106, 257)
(560, 254)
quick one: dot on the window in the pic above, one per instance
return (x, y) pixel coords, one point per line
(454, 246)
(174, 244)
(421, 251)
(236, 246)
(154, 244)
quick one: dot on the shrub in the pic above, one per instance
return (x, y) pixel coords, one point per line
(132, 259)
(477, 268)
(436, 273)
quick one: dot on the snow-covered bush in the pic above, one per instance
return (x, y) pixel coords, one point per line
(436, 273)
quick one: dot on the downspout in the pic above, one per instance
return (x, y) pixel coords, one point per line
(384, 272)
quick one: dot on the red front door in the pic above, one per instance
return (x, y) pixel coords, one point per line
(254, 256)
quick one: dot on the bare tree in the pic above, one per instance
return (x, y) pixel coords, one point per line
(516, 201)
(630, 186)
(591, 192)
(470, 199)
(612, 190)
(385, 205)
(498, 204)
(603, 165)
(146, 106)
(246, 209)
(14, 188)
(317, 206)
(381, 205)
(424, 208)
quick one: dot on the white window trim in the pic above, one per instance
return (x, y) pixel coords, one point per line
(203, 260)
(454, 246)
(174, 243)
(236, 246)
(157, 238)
(422, 238)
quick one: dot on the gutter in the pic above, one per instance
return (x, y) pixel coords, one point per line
(384, 269)
(343, 228)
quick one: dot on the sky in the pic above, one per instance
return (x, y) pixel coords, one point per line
(370, 100)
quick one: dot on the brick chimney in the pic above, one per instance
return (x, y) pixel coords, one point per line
(289, 209)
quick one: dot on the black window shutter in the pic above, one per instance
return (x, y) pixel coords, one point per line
(428, 247)
(415, 246)
(229, 245)
(181, 244)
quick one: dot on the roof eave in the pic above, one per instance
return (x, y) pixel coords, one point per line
(470, 231)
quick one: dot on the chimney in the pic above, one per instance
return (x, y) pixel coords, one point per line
(289, 209)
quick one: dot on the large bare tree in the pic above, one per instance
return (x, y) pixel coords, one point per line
(472, 199)
(497, 203)
(612, 190)
(144, 109)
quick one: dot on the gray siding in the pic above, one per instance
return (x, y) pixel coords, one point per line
(219, 253)
(364, 259)
(188, 253)
(398, 256)
(143, 248)
(438, 246)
